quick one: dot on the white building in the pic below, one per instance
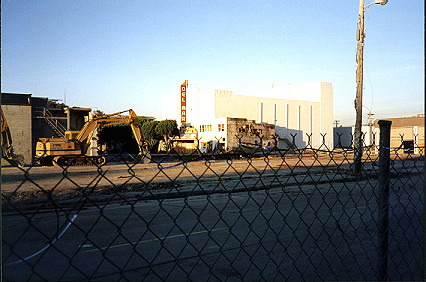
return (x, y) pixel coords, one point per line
(344, 136)
(295, 110)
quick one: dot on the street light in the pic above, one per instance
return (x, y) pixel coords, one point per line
(360, 35)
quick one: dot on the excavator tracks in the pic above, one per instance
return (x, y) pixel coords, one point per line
(62, 161)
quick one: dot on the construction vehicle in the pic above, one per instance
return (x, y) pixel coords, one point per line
(73, 148)
(7, 151)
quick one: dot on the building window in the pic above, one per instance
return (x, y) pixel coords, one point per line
(299, 117)
(275, 114)
(206, 128)
(221, 127)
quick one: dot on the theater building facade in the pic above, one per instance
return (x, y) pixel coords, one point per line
(300, 114)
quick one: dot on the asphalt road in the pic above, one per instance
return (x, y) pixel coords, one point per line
(297, 226)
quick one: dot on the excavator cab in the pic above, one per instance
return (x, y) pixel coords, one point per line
(71, 135)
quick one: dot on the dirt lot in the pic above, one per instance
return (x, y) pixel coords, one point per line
(116, 181)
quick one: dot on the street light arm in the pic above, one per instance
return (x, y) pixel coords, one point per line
(369, 5)
(381, 2)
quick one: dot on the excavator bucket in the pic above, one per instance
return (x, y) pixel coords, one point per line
(12, 158)
(143, 158)
(16, 160)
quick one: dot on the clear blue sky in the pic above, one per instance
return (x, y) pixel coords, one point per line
(116, 55)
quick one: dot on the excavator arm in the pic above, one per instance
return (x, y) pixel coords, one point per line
(71, 149)
(6, 145)
(137, 131)
(86, 133)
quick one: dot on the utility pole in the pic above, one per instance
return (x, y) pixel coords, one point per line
(369, 118)
(336, 123)
(359, 84)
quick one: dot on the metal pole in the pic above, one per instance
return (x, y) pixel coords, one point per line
(383, 199)
(359, 82)
(370, 131)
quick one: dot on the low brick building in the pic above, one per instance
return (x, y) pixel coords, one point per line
(229, 134)
(248, 133)
(18, 113)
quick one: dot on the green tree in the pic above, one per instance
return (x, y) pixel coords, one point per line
(167, 128)
(53, 104)
(98, 113)
(149, 132)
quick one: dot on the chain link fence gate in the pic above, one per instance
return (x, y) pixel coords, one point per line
(255, 214)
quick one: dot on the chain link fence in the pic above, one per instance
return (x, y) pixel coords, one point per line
(258, 213)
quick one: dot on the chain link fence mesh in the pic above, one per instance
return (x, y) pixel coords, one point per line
(257, 213)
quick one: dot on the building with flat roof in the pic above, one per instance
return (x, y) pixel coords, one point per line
(30, 118)
(301, 113)
(407, 133)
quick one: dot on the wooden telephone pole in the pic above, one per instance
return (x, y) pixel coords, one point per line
(359, 84)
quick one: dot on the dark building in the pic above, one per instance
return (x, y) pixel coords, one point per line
(30, 118)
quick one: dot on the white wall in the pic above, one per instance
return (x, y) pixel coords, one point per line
(170, 107)
(326, 126)
(298, 116)
(347, 134)
(201, 106)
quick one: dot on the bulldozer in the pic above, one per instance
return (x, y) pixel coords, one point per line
(7, 151)
(73, 148)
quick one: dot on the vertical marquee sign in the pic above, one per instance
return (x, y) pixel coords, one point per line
(183, 88)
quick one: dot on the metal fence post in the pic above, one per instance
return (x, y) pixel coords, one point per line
(415, 137)
(383, 198)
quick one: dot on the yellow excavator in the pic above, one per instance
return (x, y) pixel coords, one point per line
(72, 150)
(7, 151)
